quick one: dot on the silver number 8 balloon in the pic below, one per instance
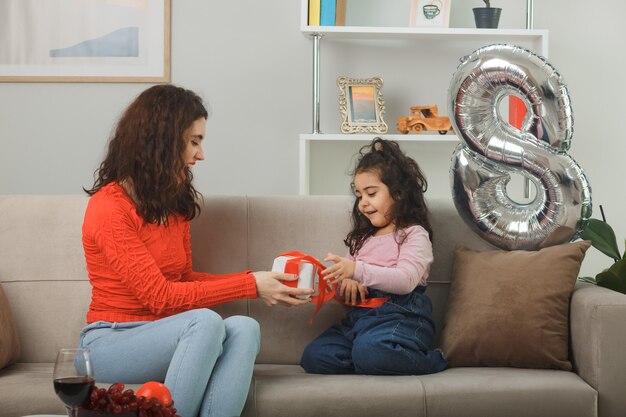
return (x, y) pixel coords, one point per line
(491, 149)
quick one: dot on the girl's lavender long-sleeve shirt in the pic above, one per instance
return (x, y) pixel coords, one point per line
(383, 264)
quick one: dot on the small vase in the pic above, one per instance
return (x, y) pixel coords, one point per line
(487, 17)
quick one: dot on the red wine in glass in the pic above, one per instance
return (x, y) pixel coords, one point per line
(73, 378)
(73, 390)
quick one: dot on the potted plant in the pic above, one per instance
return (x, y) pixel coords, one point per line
(603, 239)
(487, 17)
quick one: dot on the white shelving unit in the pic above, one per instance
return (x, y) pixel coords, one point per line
(537, 39)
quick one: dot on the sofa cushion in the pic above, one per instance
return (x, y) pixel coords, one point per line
(508, 392)
(287, 391)
(510, 308)
(27, 389)
(9, 342)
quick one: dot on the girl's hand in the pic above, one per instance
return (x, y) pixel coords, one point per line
(272, 291)
(350, 289)
(342, 269)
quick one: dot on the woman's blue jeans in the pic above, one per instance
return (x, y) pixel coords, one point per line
(204, 360)
(393, 339)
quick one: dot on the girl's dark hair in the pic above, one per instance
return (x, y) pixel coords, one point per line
(406, 184)
(147, 148)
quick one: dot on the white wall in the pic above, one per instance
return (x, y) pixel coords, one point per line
(249, 60)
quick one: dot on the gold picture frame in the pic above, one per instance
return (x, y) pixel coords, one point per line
(361, 105)
(117, 42)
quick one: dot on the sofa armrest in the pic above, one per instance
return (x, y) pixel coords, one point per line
(598, 337)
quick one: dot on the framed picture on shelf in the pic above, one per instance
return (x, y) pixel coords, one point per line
(430, 13)
(361, 105)
(85, 41)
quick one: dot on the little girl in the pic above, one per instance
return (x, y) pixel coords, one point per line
(390, 253)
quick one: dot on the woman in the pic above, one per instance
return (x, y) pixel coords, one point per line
(148, 317)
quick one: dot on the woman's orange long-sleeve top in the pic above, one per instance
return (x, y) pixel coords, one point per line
(142, 271)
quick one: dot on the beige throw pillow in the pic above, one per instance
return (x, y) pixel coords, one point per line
(9, 343)
(511, 308)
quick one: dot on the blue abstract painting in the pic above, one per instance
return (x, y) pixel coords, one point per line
(120, 43)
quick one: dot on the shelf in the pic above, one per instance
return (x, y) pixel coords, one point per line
(539, 37)
(307, 138)
(361, 32)
(369, 136)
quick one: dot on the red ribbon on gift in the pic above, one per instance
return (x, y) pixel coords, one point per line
(325, 292)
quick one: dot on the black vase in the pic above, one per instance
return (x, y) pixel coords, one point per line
(487, 17)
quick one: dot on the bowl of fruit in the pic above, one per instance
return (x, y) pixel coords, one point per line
(152, 399)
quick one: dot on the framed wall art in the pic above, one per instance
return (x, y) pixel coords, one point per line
(430, 13)
(85, 41)
(361, 105)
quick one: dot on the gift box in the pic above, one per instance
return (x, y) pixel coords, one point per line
(306, 271)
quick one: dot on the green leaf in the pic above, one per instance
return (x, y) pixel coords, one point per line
(614, 277)
(602, 238)
(590, 280)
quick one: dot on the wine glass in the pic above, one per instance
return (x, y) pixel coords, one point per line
(73, 378)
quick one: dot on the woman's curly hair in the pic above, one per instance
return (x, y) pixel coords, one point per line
(147, 150)
(407, 185)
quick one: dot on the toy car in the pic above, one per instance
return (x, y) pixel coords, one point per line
(424, 118)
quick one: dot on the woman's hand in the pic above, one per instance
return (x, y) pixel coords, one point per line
(342, 269)
(350, 289)
(272, 291)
